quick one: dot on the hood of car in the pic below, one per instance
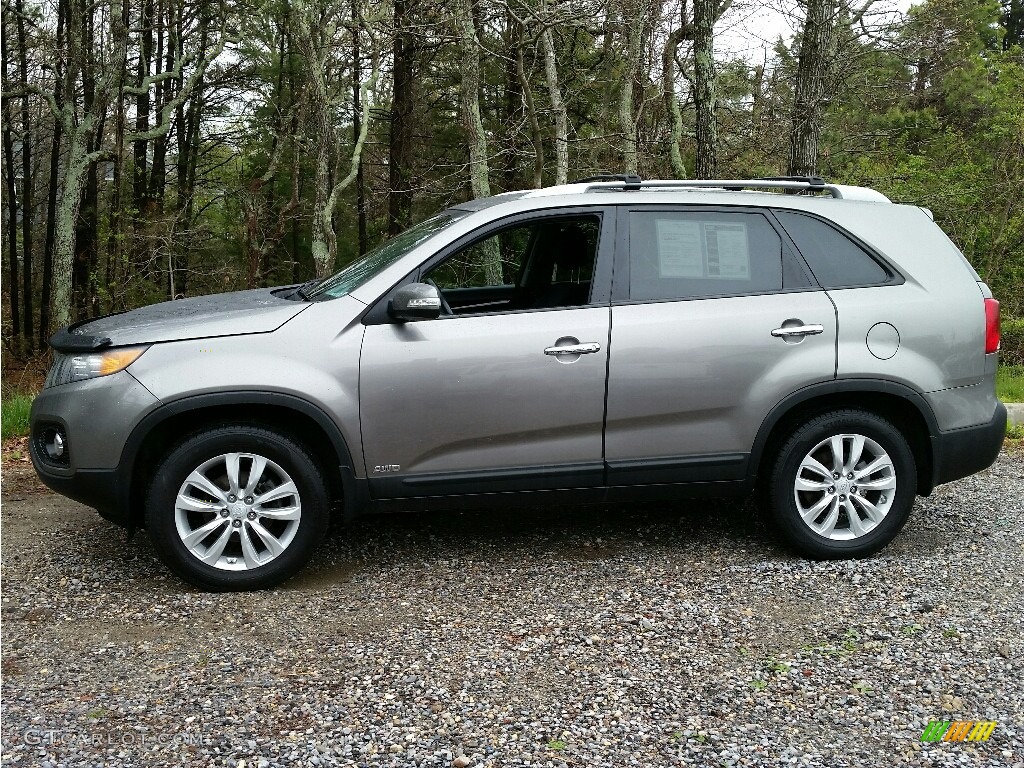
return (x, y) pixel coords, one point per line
(223, 314)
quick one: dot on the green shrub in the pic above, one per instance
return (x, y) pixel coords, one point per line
(14, 411)
(1012, 351)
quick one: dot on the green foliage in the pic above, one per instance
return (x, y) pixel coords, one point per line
(1012, 351)
(14, 413)
(948, 133)
(929, 110)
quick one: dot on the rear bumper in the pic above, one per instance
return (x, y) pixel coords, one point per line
(962, 452)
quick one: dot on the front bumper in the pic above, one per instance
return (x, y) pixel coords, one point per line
(96, 417)
(102, 489)
(962, 452)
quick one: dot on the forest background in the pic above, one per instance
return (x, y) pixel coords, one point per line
(169, 148)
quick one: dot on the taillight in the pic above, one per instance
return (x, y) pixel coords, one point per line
(991, 326)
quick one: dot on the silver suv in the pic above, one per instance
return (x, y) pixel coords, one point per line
(605, 340)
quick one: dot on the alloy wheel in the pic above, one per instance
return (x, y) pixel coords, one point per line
(845, 486)
(237, 511)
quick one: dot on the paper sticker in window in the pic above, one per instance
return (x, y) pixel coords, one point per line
(679, 248)
(728, 256)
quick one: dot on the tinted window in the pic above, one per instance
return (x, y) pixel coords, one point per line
(835, 260)
(688, 255)
(537, 264)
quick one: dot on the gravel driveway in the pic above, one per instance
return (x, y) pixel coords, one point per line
(610, 636)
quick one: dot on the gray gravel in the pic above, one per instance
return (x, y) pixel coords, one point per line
(650, 636)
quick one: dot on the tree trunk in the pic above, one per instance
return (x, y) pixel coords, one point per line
(51, 194)
(67, 215)
(812, 87)
(323, 227)
(633, 32)
(12, 188)
(512, 103)
(321, 105)
(757, 94)
(87, 222)
(188, 116)
(356, 131)
(473, 124)
(400, 140)
(705, 14)
(140, 146)
(1012, 20)
(536, 136)
(27, 189)
(164, 61)
(557, 107)
(469, 92)
(668, 89)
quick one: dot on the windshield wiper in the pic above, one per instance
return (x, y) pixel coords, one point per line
(302, 291)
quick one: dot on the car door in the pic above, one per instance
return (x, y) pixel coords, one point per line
(714, 321)
(491, 397)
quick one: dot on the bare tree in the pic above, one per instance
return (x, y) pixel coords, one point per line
(557, 105)
(313, 26)
(684, 31)
(95, 63)
(632, 23)
(536, 136)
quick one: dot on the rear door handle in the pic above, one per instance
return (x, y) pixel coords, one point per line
(574, 349)
(811, 329)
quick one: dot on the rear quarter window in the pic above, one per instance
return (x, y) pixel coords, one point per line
(835, 260)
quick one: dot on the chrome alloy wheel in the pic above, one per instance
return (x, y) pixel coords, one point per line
(237, 511)
(845, 487)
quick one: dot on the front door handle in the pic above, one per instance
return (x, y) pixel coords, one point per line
(574, 349)
(811, 329)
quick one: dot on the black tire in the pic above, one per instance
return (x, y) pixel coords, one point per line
(782, 495)
(289, 455)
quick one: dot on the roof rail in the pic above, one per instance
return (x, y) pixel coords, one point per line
(794, 184)
(630, 181)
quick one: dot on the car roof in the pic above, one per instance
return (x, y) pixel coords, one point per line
(571, 195)
(788, 192)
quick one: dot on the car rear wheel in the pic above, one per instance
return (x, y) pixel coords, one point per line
(237, 507)
(842, 485)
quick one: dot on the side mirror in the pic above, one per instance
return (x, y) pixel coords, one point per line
(416, 301)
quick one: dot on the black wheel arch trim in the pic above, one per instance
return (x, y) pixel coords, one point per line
(354, 488)
(847, 387)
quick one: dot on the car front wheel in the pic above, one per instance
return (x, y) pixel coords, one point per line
(237, 507)
(842, 485)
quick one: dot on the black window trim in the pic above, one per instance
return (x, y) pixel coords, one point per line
(620, 286)
(894, 276)
(600, 284)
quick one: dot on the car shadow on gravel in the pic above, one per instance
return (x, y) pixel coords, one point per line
(574, 533)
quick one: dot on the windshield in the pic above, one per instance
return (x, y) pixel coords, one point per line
(358, 272)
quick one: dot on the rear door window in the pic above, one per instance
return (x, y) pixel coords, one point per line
(686, 255)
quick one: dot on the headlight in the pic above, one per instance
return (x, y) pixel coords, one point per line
(79, 367)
